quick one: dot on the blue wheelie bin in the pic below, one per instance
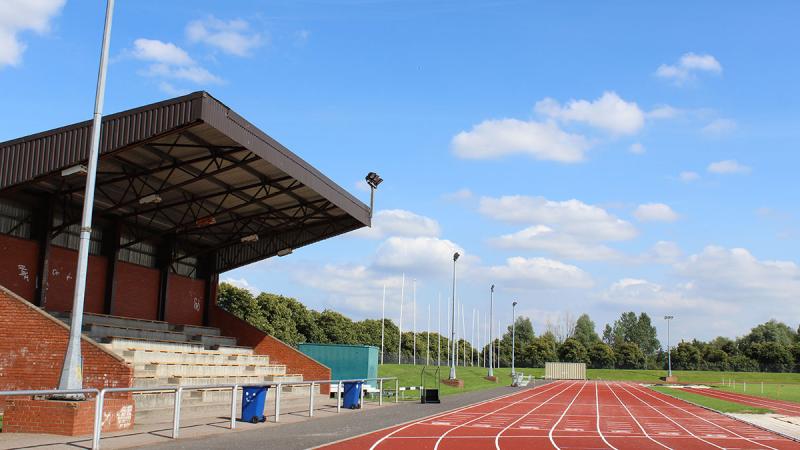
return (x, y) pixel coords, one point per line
(253, 399)
(352, 394)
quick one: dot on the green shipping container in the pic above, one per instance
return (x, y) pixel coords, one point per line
(346, 362)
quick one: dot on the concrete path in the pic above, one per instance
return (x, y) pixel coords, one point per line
(785, 425)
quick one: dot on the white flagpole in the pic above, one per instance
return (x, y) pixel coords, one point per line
(472, 326)
(414, 319)
(383, 318)
(439, 330)
(400, 325)
(464, 329)
(428, 347)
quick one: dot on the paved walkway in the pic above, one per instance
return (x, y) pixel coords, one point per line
(295, 430)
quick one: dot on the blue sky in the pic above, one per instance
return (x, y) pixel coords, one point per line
(590, 157)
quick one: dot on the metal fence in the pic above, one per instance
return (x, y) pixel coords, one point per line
(179, 390)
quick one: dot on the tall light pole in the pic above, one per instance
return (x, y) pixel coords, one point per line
(513, 332)
(669, 349)
(453, 322)
(383, 318)
(491, 338)
(71, 372)
(373, 180)
(414, 319)
(439, 330)
(400, 324)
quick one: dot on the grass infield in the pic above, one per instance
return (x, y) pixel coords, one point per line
(710, 402)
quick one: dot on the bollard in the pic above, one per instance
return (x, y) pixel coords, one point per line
(339, 398)
(744, 386)
(278, 403)
(176, 418)
(233, 406)
(311, 400)
(380, 392)
(762, 387)
(396, 390)
(98, 420)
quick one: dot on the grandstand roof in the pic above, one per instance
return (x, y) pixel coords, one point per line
(191, 169)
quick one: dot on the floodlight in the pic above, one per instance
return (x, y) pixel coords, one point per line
(205, 221)
(148, 199)
(373, 180)
(455, 256)
(284, 252)
(80, 169)
(250, 238)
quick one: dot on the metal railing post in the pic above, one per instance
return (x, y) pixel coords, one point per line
(176, 418)
(278, 403)
(98, 420)
(361, 396)
(339, 398)
(396, 390)
(233, 406)
(380, 392)
(311, 400)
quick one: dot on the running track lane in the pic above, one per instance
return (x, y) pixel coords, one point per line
(779, 406)
(574, 415)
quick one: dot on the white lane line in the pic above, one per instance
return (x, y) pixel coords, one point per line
(452, 411)
(707, 421)
(550, 434)
(597, 420)
(670, 419)
(443, 435)
(634, 418)
(500, 433)
(769, 403)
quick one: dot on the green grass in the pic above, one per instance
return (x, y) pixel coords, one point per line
(473, 377)
(690, 376)
(710, 402)
(777, 391)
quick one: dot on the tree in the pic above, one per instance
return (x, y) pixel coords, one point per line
(542, 350)
(601, 356)
(742, 363)
(772, 331)
(629, 356)
(279, 316)
(241, 303)
(573, 351)
(773, 357)
(585, 332)
(337, 328)
(686, 356)
(608, 335)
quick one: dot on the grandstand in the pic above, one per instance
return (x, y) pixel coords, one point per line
(186, 189)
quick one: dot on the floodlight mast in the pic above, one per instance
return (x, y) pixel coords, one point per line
(71, 371)
(491, 338)
(669, 349)
(373, 180)
(453, 323)
(513, 332)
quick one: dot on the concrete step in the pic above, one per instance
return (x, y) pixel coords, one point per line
(141, 357)
(98, 332)
(206, 370)
(117, 321)
(192, 330)
(119, 344)
(211, 341)
(152, 382)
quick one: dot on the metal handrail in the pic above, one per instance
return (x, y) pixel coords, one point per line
(178, 391)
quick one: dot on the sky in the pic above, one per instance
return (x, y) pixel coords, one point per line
(583, 157)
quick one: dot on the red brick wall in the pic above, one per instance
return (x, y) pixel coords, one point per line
(19, 265)
(24, 415)
(32, 348)
(264, 344)
(60, 285)
(185, 300)
(136, 293)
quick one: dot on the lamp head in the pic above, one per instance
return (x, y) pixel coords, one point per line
(514, 304)
(455, 256)
(373, 180)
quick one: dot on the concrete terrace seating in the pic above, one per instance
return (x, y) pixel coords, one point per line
(164, 354)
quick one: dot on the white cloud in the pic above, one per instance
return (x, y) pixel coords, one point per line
(544, 238)
(664, 252)
(301, 37)
(570, 216)
(419, 256)
(536, 273)
(637, 148)
(655, 212)
(458, 196)
(609, 112)
(18, 16)
(242, 283)
(153, 50)
(688, 66)
(541, 140)
(639, 293)
(168, 61)
(399, 222)
(232, 37)
(663, 112)
(719, 127)
(728, 166)
(689, 176)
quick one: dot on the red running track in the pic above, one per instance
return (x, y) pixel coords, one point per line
(574, 415)
(778, 406)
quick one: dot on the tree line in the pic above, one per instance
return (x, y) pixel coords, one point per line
(630, 342)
